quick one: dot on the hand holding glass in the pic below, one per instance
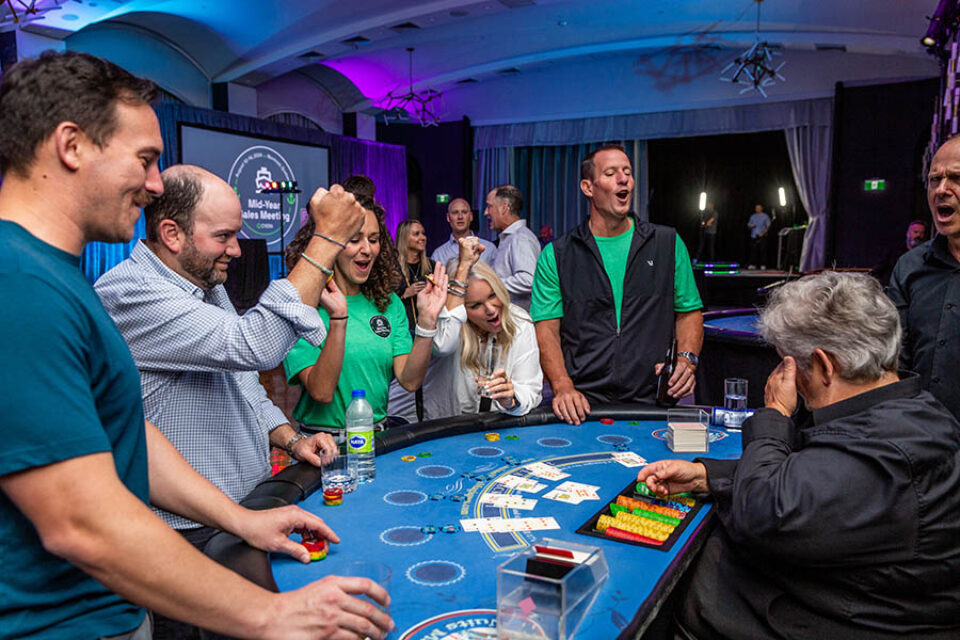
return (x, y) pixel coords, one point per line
(491, 355)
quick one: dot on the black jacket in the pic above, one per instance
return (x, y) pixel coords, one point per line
(849, 527)
(607, 363)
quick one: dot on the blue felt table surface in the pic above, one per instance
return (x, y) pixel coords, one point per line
(433, 574)
(746, 323)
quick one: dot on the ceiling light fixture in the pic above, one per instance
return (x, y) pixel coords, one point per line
(424, 105)
(754, 67)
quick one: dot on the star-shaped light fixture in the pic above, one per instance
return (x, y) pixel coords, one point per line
(424, 105)
(754, 69)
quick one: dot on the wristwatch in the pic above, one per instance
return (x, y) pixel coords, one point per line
(297, 437)
(692, 357)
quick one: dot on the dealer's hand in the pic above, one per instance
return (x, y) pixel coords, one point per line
(269, 530)
(674, 476)
(781, 390)
(570, 405)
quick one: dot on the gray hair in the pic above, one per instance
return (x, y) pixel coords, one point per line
(845, 314)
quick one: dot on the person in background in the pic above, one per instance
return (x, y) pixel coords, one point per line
(708, 234)
(546, 235)
(368, 341)
(844, 525)
(916, 235)
(479, 311)
(360, 186)
(414, 268)
(460, 218)
(519, 248)
(758, 225)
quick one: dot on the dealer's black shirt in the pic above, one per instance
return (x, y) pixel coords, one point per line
(925, 287)
(847, 528)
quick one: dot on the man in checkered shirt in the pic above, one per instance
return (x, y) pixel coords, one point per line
(198, 359)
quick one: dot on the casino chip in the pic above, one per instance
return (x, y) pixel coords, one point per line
(457, 498)
(492, 437)
(425, 454)
(450, 528)
(428, 528)
(436, 496)
(408, 458)
(513, 437)
(606, 421)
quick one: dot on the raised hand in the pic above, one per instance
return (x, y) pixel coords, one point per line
(432, 298)
(336, 213)
(470, 250)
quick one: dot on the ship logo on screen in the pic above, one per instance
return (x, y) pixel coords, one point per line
(265, 215)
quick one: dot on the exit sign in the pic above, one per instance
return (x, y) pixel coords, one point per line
(876, 184)
(443, 198)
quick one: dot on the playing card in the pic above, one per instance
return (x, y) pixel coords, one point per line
(526, 485)
(548, 471)
(508, 501)
(629, 459)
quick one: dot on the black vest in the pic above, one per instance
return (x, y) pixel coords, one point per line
(605, 364)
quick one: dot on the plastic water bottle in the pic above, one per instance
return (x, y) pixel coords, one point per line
(361, 452)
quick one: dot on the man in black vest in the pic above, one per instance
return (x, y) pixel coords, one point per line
(609, 296)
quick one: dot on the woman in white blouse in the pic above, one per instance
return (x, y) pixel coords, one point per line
(478, 310)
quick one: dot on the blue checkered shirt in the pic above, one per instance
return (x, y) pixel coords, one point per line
(198, 363)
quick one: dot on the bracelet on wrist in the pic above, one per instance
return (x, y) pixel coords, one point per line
(329, 239)
(327, 272)
(457, 283)
(420, 332)
(456, 292)
(338, 317)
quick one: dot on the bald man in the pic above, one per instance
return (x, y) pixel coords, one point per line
(925, 286)
(460, 217)
(198, 359)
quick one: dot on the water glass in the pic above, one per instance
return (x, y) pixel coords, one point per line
(337, 473)
(735, 394)
(376, 571)
(491, 355)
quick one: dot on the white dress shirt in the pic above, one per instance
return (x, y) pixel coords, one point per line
(453, 391)
(451, 249)
(516, 261)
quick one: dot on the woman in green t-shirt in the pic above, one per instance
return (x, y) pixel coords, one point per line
(368, 340)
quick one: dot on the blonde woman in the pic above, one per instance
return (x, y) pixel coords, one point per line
(415, 266)
(479, 311)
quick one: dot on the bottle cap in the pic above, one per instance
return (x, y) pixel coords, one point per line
(359, 393)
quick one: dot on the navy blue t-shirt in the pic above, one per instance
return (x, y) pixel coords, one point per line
(70, 389)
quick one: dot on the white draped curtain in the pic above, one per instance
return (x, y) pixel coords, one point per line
(810, 154)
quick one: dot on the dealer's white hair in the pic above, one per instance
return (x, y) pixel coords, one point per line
(845, 314)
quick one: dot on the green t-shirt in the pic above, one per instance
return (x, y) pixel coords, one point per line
(372, 341)
(70, 389)
(547, 303)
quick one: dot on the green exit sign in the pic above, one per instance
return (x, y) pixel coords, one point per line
(443, 198)
(876, 184)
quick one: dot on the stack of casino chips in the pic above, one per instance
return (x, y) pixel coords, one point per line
(643, 521)
(333, 497)
(317, 547)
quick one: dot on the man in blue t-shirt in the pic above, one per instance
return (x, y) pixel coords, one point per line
(758, 225)
(79, 149)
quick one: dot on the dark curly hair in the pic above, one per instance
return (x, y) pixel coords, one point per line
(384, 276)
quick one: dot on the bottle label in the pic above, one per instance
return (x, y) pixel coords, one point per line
(360, 442)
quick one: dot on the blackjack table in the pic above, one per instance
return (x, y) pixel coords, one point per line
(433, 475)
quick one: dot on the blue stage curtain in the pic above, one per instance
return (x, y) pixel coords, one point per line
(385, 164)
(549, 177)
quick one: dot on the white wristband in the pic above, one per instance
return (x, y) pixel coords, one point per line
(420, 332)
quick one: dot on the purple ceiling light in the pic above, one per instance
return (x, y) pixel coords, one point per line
(425, 105)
